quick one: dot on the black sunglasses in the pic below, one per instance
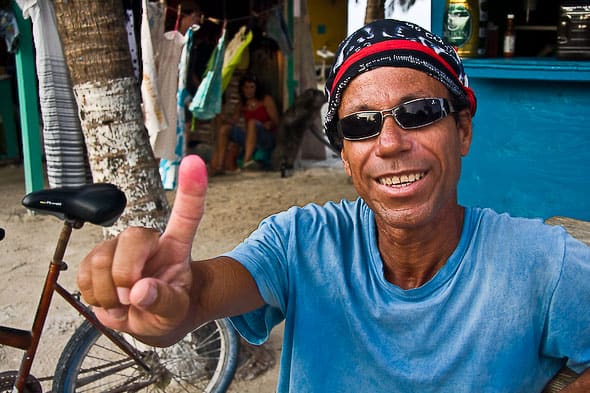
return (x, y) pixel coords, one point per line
(410, 115)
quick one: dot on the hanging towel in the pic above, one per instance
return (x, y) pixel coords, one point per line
(276, 28)
(171, 49)
(233, 54)
(207, 101)
(65, 151)
(169, 167)
(153, 112)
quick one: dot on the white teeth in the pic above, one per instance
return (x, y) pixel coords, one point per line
(401, 180)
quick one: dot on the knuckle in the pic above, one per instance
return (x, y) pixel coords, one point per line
(100, 261)
(84, 280)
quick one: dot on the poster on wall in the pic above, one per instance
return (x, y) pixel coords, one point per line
(416, 11)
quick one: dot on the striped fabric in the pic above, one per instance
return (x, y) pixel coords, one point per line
(65, 150)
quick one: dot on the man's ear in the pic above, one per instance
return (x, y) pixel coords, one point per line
(465, 129)
(345, 162)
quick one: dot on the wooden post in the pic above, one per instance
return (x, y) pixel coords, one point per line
(291, 82)
(28, 99)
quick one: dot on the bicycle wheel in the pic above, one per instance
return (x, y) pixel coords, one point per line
(7, 379)
(203, 361)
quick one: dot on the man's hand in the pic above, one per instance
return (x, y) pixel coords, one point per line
(140, 282)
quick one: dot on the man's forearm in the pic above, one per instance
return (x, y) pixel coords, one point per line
(580, 385)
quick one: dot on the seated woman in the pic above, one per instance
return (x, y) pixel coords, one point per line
(261, 119)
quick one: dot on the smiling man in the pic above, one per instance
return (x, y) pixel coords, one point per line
(402, 290)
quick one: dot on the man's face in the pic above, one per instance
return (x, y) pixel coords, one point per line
(427, 160)
(191, 15)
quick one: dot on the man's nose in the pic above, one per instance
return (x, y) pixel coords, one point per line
(392, 138)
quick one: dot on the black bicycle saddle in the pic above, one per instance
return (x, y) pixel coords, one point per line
(100, 203)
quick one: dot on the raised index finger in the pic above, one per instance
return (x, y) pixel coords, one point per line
(189, 203)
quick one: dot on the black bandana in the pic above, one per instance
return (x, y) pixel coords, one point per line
(393, 43)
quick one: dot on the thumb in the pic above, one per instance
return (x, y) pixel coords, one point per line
(189, 203)
(170, 303)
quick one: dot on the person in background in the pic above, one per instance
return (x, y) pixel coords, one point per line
(261, 118)
(401, 290)
(203, 44)
(190, 14)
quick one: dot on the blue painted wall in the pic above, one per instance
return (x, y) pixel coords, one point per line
(530, 154)
(531, 148)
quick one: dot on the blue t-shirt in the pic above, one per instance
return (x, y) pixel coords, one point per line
(504, 313)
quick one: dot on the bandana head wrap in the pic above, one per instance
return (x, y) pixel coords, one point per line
(392, 43)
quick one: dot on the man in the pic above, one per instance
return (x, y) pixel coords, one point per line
(190, 15)
(402, 290)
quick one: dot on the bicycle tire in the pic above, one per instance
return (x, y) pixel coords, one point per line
(205, 360)
(8, 378)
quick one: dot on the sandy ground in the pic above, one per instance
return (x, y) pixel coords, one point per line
(235, 205)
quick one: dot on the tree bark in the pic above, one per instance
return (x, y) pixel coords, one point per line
(375, 10)
(108, 97)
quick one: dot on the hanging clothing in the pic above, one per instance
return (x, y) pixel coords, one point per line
(234, 54)
(171, 50)
(152, 28)
(276, 28)
(130, 29)
(169, 167)
(207, 101)
(65, 151)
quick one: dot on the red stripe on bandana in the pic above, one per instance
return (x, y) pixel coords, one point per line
(388, 45)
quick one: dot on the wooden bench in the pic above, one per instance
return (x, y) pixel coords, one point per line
(581, 231)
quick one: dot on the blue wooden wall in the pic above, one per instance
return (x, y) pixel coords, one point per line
(531, 148)
(530, 154)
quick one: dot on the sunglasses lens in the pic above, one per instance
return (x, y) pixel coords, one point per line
(360, 125)
(409, 115)
(419, 113)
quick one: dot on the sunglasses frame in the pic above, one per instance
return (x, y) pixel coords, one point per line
(446, 109)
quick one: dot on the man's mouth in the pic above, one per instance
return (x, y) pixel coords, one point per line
(401, 181)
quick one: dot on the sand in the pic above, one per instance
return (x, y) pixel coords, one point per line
(235, 205)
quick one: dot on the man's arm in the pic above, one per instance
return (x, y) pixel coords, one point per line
(273, 113)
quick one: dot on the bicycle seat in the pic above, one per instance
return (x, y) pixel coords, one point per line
(99, 203)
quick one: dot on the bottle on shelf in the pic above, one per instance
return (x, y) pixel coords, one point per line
(461, 26)
(509, 36)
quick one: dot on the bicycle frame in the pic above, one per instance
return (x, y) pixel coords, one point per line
(28, 340)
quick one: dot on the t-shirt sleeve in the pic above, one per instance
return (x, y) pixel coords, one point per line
(568, 321)
(264, 255)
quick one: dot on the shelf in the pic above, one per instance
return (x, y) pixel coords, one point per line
(536, 27)
(528, 68)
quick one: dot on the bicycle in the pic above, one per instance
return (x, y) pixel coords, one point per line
(97, 358)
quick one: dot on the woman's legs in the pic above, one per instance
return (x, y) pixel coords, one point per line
(231, 156)
(221, 142)
(250, 143)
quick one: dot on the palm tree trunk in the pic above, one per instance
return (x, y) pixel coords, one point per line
(108, 97)
(375, 10)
